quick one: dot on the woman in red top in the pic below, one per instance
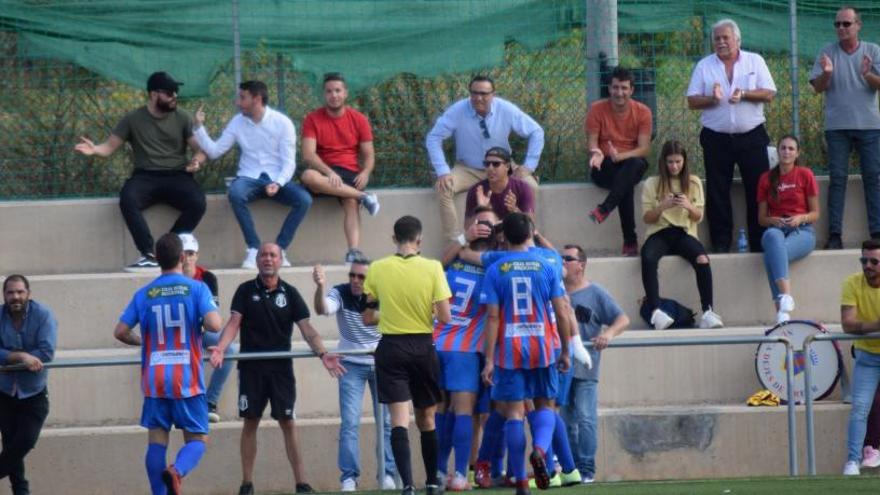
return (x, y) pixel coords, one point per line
(788, 205)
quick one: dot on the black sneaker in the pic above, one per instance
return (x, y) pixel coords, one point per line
(145, 262)
(834, 242)
(247, 488)
(433, 490)
(408, 490)
(354, 254)
(304, 488)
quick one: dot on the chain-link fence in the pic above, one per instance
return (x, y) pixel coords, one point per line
(73, 69)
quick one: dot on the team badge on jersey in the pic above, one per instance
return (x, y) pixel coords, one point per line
(243, 403)
(281, 300)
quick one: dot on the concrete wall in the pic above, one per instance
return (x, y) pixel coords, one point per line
(634, 444)
(85, 236)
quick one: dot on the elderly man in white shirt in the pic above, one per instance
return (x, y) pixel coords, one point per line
(730, 87)
(267, 140)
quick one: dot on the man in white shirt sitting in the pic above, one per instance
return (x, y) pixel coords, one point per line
(267, 140)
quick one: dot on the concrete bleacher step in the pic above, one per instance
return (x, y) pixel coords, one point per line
(664, 376)
(83, 236)
(88, 306)
(634, 444)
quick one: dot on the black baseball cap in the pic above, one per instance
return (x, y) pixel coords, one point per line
(160, 81)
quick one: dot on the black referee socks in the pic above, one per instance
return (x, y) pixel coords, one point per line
(429, 455)
(400, 448)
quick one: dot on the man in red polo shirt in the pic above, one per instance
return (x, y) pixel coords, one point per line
(337, 145)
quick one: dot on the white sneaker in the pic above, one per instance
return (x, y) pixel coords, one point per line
(250, 259)
(586, 479)
(710, 319)
(457, 483)
(371, 203)
(348, 485)
(580, 352)
(851, 468)
(285, 263)
(388, 483)
(782, 317)
(661, 320)
(786, 303)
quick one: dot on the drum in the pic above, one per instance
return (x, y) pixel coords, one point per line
(824, 357)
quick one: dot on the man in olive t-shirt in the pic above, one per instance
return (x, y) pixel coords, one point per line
(159, 134)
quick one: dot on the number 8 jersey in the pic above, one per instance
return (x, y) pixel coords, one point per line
(522, 285)
(169, 311)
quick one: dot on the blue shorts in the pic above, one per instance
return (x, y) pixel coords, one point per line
(520, 384)
(564, 386)
(190, 414)
(460, 371)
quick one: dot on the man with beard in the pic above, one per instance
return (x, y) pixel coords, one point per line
(860, 314)
(265, 310)
(338, 148)
(267, 140)
(27, 336)
(159, 134)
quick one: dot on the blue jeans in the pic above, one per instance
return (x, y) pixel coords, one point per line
(351, 398)
(781, 247)
(219, 376)
(866, 376)
(243, 190)
(840, 145)
(581, 419)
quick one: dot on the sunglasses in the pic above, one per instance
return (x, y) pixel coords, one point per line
(840, 24)
(493, 163)
(484, 128)
(864, 260)
(359, 276)
(567, 257)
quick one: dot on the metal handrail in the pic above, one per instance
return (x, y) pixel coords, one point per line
(377, 409)
(808, 384)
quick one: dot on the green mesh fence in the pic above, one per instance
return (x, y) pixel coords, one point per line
(74, 68)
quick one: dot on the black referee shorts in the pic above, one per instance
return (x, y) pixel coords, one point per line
(258, 385)
(407, 368)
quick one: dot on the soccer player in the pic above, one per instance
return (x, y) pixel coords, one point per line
(524, 293)
(459, 346)
(171, 311)
(411, 291)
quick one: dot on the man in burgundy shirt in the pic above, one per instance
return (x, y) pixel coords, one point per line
(337, 145)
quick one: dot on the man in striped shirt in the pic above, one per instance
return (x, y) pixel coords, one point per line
(171, 311)
(347, 302)
(524, 293)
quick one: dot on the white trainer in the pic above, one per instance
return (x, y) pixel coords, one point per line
(388, 483)
(285, 263)
(661, 320)
(786, 303)
(782, 317)
(348, 485)
(250, 259)
(710, 319)
(851, 468)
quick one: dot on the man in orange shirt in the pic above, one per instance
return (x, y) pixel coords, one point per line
(337, 145)
(619, 139)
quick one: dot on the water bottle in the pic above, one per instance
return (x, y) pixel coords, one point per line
(742, 244)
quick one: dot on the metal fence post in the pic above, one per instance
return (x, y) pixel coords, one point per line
(795, 84)
(792, 427)
(601, 43)
(808, 407)
(236, 46)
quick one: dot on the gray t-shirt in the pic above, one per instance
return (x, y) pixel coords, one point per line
(850, 103)
(593, 309)
(158, 144)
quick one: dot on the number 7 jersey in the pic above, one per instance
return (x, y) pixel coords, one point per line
(169, 311)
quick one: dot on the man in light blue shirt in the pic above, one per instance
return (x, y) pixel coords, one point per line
(27, 336)
(267, 140)
(477, 124)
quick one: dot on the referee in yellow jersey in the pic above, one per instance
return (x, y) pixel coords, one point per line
(411, 292)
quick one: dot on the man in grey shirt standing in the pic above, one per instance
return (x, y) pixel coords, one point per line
(847, 72)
